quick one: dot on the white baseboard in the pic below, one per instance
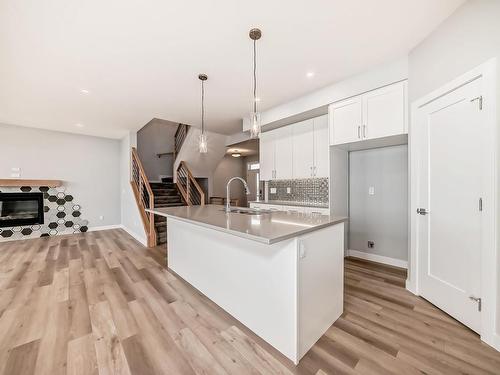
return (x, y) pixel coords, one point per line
(378, 258)
(497, 342)
(105, 227)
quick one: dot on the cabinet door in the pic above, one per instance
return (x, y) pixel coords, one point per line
(321, 147)
(266, 156)
(384, 111)
(345, 121)
(303, 149)
(283, 153)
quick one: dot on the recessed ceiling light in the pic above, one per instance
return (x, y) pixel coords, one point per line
(84, 91)
(310, 74)
(79, 125)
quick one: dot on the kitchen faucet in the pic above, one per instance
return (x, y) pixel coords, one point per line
(228, 191)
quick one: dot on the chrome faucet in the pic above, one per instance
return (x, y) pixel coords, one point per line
(228, 191)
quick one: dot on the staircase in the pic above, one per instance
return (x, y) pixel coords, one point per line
(165, 194)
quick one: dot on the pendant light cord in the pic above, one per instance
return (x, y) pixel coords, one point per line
(202, 107)
(254, 77)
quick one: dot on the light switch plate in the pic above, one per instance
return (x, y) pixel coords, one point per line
(371, 190)
(15, 175)
(288, 190)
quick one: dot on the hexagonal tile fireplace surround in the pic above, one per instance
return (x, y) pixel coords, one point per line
(62, 215)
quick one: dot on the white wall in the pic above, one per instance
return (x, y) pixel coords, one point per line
(382, 217)
(290, 112)
(87, 165)
(229, 167)
(468, 38)
(130, 215)
(156, 137)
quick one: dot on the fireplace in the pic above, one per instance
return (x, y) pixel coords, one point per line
(18, 209)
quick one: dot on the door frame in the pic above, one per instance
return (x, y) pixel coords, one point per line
(490, 254)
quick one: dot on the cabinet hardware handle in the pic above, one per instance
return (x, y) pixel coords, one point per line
(364, 131)
(359, 131)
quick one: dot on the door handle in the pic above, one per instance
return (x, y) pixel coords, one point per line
(422, 211)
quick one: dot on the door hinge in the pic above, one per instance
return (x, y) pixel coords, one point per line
(480, 204)
(480, 100)
(478, 300)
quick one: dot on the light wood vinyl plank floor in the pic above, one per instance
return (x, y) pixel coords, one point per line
(100, 303)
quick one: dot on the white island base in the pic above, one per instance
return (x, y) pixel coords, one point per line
(288, 293)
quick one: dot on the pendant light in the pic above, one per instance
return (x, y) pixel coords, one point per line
(202, 144)
(255, 35)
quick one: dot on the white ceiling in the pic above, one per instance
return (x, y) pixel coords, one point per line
(141, 59)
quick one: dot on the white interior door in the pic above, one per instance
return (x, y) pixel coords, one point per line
(451, 136)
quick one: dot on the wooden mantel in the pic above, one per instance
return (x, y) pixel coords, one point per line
(22, 182)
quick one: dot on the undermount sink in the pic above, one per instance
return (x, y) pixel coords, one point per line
(246, 211)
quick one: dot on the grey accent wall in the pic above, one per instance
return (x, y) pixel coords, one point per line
(382, 217)
(89, 167)
(227, 168)
(157, 137)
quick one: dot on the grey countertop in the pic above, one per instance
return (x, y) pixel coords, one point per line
(266, 228)
(291, 203)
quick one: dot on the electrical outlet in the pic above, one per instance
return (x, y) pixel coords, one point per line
(371, 190)
(371, 244)
(273, 190)
(288, 190)
(101, 217)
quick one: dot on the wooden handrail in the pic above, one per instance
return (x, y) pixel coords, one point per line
(144, 196)
(190, 190)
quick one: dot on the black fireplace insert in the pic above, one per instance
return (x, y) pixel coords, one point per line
(17, 209)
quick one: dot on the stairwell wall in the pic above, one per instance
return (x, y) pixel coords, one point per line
(130, 215)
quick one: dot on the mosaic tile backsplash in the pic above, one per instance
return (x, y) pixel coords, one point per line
(62, 215)
(313, 191)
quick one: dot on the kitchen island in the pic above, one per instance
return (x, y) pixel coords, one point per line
(279, 273)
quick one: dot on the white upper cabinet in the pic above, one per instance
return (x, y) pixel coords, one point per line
(321, 150)
(283, 153)
(303, 149)
(384, 111)
(376, 114)
(266, 156)
(299, 150)
(346, 121)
